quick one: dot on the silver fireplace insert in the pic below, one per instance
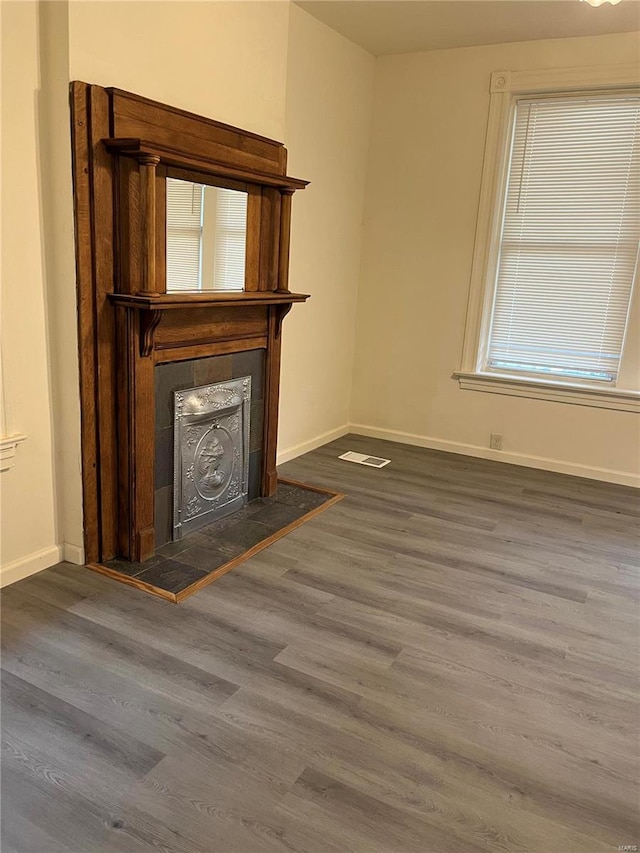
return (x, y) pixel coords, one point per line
(211, 453)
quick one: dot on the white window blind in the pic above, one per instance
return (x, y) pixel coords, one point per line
(231, 238)
(184, 235)
(569, 239)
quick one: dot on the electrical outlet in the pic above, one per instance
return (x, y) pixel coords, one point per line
(495, 443)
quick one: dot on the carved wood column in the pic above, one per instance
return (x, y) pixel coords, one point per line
(276, 316)
(285, 240)
(148, 164)
(136, 450)
(272, 397)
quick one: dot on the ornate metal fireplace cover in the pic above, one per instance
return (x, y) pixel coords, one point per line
(211, 453)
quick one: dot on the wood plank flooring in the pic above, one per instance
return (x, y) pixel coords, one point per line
(447, 660)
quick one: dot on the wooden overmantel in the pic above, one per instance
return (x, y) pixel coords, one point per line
(124, 149)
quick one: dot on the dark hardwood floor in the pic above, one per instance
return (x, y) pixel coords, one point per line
(447, 660)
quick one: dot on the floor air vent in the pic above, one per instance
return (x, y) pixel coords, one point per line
(363, 459)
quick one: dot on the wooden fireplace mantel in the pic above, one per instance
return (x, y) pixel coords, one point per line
(124, 149)
(152, 308)
(191, 301)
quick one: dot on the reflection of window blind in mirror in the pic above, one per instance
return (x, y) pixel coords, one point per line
(231, 237)
(184, 232)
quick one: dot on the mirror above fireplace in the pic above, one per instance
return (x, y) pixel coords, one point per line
(206, 236)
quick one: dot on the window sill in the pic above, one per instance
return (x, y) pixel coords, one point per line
(578, 395)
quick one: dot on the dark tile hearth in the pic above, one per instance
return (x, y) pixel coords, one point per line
(178, 565)
(246, 533)
(279, 514)
(208, 557)
(172, 575)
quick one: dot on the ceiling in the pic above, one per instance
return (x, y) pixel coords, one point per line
(406, 26)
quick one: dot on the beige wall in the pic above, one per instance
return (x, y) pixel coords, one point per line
(54, 141)
(430, 117)
(329, 93)
(29, 531)
(225, 60)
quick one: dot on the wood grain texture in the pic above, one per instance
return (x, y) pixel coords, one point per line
(173, 154)
(445, 661)
(103, 238)
(161, 356)
(285, 240)
(272, 403)
(161, 229)
(134, 116)
(147, 165)
(86, 294)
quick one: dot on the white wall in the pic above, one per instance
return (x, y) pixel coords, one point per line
(430, 117)
(329, 96)
(224, 60)
(54, 145)
(29, 529)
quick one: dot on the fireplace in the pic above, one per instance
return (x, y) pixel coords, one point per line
(143, 345)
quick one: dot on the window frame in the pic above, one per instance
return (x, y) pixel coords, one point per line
(505, 89)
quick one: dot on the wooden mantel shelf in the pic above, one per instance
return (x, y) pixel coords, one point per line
(150, 308)
(166, 301)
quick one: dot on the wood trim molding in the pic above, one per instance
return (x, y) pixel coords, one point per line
(148, 323)
(169, 156)
(147, 164)
(124, 146)
(151, 307)
(190, 301)
(137, 117)
(217, 347)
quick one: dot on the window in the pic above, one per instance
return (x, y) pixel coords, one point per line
(557, 253)
(206, 237)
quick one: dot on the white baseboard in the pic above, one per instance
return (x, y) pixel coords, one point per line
(610, 476)
(36, 562)
(306, 446)
(73, 553)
